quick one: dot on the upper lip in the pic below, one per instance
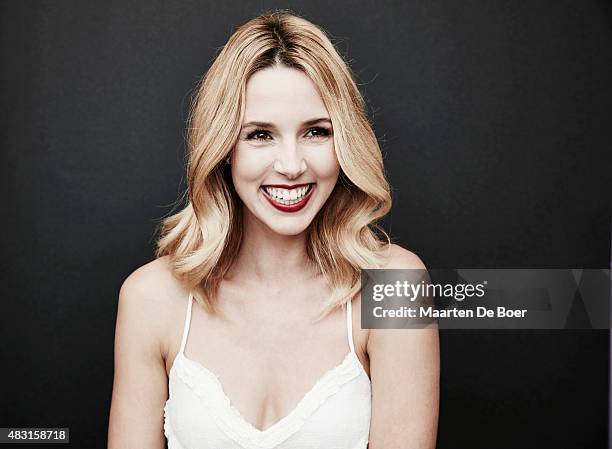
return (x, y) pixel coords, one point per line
(286, 186)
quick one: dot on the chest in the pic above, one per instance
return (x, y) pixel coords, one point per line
(269, 365)
(334, 413)
(271, 336)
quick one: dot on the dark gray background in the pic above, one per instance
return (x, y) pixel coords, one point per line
(493, 118)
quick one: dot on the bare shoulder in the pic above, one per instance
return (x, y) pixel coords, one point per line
(401, 258)
(151, 299)
(149, 303)
(414, 397)
(385, 341)
(152, 278)
(152, 285)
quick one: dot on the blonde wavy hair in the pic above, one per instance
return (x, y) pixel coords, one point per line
(203, 239)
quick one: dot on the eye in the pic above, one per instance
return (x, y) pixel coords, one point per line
(316, 132)
(319, 132)
(257, 135)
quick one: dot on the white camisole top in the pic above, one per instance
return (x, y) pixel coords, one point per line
(333, 414)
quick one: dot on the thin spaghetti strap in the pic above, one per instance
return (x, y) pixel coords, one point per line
(187, 322)
(349, 325)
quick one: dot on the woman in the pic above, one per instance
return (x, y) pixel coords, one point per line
(241, 333)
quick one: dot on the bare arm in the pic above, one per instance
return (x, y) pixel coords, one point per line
(405, 372)
(140, 385)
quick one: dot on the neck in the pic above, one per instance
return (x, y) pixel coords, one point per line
(270, 258)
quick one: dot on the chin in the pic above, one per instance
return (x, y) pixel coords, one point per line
(287, 230)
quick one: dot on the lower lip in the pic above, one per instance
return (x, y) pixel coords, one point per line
(289, 208)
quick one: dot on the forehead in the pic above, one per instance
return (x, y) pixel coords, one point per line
(282, 95)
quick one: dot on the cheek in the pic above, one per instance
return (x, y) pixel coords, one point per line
(325, 164)
(248, 166)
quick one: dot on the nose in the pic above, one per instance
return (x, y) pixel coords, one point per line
(289, 161)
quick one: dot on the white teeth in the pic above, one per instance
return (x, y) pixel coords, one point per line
(286, 196)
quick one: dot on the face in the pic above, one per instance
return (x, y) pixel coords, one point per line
(284, 166)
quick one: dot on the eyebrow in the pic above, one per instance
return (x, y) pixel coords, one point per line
(271, 125)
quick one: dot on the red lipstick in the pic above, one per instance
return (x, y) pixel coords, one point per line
(286, 186)
(284, 207)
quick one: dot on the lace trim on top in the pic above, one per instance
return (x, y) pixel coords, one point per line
(207, 386)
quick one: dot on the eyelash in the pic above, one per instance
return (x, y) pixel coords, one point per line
(324, 133)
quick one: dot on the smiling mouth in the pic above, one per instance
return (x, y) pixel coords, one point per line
(288, 200)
